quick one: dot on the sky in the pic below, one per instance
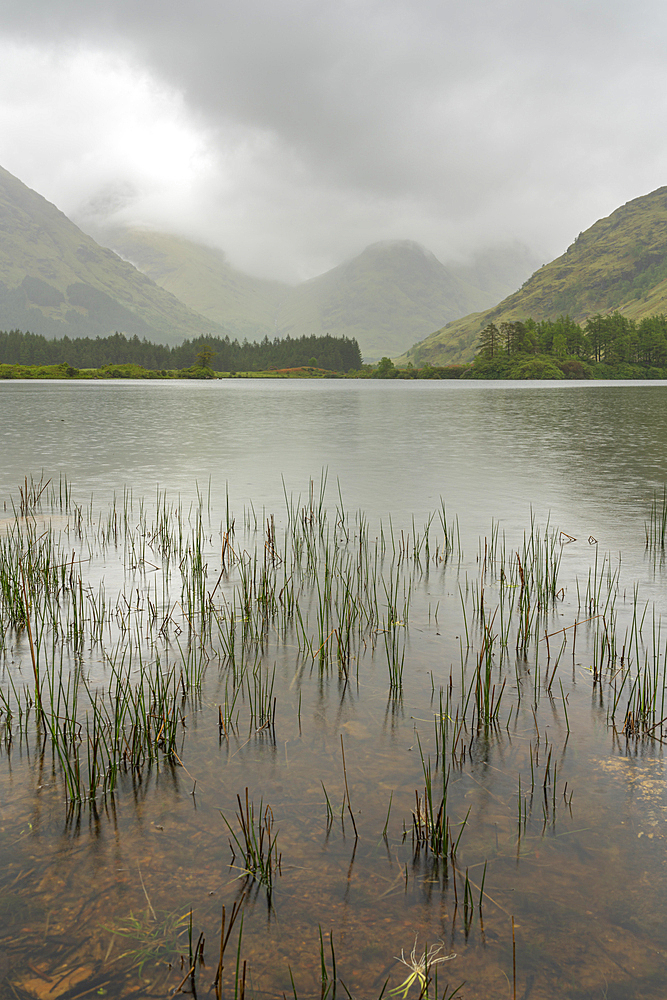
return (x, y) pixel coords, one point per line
(293, 133)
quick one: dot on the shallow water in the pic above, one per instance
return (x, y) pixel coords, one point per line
(583, 878)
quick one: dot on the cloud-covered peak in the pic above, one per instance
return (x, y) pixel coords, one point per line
(293, 134)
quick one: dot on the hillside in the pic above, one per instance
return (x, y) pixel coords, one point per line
(387, 297)
(619, 264)
(57, 281)
(202, 278)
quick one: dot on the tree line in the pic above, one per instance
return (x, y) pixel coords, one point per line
(613, 339)
(339, 354)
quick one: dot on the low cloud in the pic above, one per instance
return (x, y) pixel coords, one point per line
(294, 134)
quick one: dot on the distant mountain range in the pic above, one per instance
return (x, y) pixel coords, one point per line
(57, 280)
(387, 297)
(620, 263)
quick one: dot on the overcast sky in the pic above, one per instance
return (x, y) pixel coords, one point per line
(292, 133)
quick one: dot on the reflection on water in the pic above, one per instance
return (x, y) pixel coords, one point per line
(566, 817)
(588, 452)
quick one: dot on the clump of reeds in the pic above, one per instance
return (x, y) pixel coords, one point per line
(656, 527)
(322, 579)
(30, 494)
(431, 825)
(255, 841)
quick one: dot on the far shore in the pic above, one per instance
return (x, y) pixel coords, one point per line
(568, 369)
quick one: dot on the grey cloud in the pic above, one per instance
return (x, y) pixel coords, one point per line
(460, 122)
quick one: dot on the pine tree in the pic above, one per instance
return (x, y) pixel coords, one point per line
(489, 342)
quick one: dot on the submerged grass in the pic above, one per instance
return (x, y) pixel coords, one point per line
(149, 939)
(196, 599)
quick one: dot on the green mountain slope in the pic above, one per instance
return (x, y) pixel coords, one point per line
(57, 281)
(620, 263)
(391, 293)
(387, 297)
(202, 278)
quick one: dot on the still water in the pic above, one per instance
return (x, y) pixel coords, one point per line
(566, 817)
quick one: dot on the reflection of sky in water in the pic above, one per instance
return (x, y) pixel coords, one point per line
(585, 451)
(590, 456)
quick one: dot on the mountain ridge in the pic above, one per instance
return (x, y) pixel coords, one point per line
(382, 297)
(202, 278)
(56, 280)
(618, 264)
(386, 297)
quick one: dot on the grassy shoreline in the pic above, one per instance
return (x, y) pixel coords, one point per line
(538, 367)
(131, 371)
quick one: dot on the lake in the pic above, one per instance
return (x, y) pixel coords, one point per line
(357, 600)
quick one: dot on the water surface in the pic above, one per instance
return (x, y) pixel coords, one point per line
(583, 877)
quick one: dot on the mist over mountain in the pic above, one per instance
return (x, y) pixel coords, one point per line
(497, 270)
(388, 296)
(383, 297)
(202, 278)
(57, 281)
(619, 264)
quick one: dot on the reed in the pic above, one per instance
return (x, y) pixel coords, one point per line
(256, 841)
(655, 527)
(197, 599)
(320, 581)
(431, 824)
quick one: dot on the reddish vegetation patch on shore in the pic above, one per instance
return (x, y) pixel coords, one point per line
(301, 368)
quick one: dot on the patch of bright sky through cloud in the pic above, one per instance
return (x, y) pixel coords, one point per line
(293, 134)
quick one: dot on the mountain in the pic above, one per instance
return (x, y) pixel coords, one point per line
(387, 297)
(202, 278)
(57, 281)
(619, 264)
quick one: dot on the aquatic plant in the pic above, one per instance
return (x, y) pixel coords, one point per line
(420, 965)
(255, 841)
(334, 598)
(152, 939)
(656, 526)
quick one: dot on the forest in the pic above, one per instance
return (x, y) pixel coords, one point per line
(339, 354)
(606, 346)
